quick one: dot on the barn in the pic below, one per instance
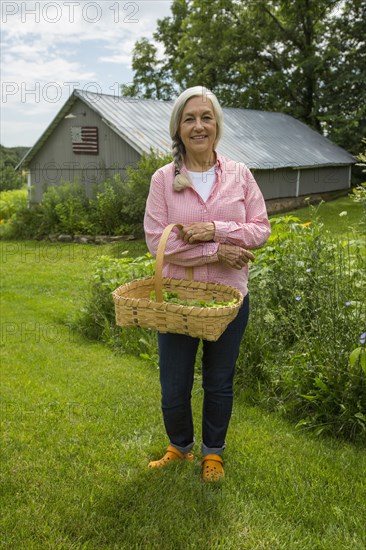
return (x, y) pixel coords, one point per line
(95, 136)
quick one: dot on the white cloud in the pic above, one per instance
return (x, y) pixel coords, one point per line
(48, 45)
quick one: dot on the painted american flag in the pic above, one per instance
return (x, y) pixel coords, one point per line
(84, 140)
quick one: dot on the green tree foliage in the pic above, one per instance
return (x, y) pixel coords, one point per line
(343, 108)
(150, 76)
(9, 178)
(302, 57)
(12, 155)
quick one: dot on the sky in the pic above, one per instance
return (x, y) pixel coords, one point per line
(48, 48)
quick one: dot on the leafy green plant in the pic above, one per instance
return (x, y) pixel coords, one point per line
(65, 209)
(9, 178)
(10, 202)
(358, 194)
(307, 313)
(97, 318)
(137, 186)
(106, 208)
(17, 219)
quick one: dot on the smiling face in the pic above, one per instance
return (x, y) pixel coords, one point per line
(198, 129)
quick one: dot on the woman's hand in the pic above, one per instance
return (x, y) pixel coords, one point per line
(198, 232)
(234, 256)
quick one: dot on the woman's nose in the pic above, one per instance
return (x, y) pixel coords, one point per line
(198, 124)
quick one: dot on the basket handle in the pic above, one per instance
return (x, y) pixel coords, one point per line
(160, 261)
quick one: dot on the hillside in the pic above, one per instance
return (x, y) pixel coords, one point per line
(11, 156)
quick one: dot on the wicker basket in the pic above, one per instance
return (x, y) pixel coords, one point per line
(133, 306)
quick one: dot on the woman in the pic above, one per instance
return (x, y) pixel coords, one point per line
(223, 215)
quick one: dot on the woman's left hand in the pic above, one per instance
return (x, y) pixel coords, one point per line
(198, 232)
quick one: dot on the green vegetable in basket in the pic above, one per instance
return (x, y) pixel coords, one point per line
(172, 297)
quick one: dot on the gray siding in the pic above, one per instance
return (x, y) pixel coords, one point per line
(321, 180)
(282, 183)
(276, 184)
(56, 161)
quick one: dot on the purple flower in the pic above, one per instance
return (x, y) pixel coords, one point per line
(363, 338)
(298, 298)
(308, 270)
(348, 303)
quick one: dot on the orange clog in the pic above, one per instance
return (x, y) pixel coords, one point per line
(212, 468)
(172, 454)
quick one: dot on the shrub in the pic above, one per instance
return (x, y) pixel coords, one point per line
(359, 193)
(97, 319)
(9, 178)
(118, 207)
(65, 209)
(11, 202)
(17, 220)
(308, 312)
(137, 186)
(106, 208)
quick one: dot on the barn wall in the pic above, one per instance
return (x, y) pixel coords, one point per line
(281, 183)
(316, 180)
(278, 183)
(56, 161)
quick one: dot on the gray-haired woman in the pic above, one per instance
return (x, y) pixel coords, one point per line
(223, 214)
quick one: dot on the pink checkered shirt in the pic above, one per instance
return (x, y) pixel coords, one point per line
(235, 205)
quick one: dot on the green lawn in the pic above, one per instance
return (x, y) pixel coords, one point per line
(79, 425)
(338, 215)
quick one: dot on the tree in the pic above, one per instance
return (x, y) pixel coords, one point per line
(10, 157)
(301, 57)
(343, 106)
(150, 80)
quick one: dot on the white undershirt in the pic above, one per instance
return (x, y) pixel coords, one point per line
(203, 182)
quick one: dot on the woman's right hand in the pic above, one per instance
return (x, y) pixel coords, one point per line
(234, 256)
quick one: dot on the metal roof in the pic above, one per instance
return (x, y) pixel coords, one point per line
(261, 139)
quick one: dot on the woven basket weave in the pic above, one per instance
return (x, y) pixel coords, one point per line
(133, 306)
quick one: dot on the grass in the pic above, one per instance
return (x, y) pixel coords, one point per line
(79, 425)
(329, 214)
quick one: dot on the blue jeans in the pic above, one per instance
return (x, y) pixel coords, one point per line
(177, 355)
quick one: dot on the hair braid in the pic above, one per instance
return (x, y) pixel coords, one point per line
(180, 182)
